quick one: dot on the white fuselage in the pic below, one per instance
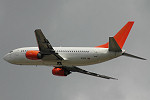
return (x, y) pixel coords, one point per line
(73, 56)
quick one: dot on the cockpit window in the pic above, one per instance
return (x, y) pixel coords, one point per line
(10, 51)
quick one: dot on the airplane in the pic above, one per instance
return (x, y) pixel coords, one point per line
(66, 59)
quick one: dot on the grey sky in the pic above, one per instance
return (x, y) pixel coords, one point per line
(75, 23)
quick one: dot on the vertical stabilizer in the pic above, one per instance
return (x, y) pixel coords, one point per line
(121, 36)
(113, 46)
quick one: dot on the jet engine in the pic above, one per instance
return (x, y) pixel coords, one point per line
(33, 55)
(60, 71)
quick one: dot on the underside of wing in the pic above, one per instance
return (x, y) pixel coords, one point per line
(79, 70)
(45, 47)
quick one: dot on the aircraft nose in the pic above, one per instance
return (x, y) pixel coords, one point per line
(7, 57)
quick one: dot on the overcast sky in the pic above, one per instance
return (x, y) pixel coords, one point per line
(75, 23)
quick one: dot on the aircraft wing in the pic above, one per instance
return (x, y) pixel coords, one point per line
(45, 47)
(79, 70)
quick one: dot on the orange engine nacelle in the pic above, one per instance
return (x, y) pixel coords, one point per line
(60, 71)
(33, 55)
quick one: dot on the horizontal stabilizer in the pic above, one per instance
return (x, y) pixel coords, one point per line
(113, 46)
(133, 56)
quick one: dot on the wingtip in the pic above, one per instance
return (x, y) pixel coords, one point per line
(144, 59)
(114, 78)
(38, 30)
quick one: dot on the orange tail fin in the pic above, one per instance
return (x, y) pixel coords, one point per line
(121, 36)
